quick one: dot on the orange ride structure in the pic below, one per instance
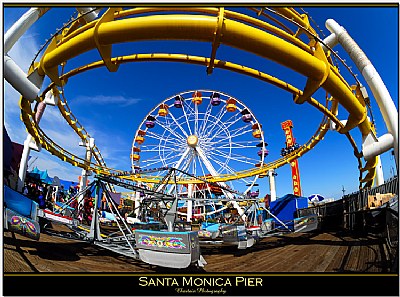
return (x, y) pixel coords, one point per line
(290, 146)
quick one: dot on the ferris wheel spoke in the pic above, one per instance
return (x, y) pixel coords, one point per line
(218, 162)
(196, 119)
(235, 145)
(165, 148)
(240, 131)
(158, 158)
(162, 160)
(173, 125)
(205, 119)
(201, 166)
(232, 171)
(167, 128)
(237, 157)
(190, 108)
(188, 162)
(163, 155)
(227, 123)
(208, 188)
(225, 140)
(224, 166)
(156, 149)
(168, 150)
(167, 143)
(184, 155)
(212, 170)
(178, 125)
(165, 138)
(234, 157)
(225, 127)
(217, 120)
(227, 168)
(206, 162)
(233, 133)
(184, 105)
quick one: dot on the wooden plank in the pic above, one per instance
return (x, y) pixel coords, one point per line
(320, 252)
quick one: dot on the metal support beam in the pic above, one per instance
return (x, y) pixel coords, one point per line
(89, 14)
(94, 233)
(21, 26)
(374, 81)
(16, 77)
(272, 188)
(88, 157)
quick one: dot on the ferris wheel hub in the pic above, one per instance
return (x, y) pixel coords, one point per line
(192, 140)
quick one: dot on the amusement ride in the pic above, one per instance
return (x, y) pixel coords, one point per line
(197, 149)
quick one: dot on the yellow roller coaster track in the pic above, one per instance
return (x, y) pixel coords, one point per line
(201, 60)
(234, 29)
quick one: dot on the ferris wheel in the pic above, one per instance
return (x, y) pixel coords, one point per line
(203, 133)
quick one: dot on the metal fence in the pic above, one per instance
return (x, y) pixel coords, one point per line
(350, 211)
(356, 204)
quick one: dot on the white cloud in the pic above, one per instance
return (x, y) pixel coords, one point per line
(66, 138)
(104, 100)
(116, 153)
(54, 166)
(22, 53)
(52, 116)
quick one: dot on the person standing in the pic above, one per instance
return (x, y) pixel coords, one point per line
(41, 200)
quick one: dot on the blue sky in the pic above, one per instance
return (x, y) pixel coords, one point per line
(111, 106)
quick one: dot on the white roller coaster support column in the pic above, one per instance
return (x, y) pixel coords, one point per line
(189, 203)
(94, 233)
(381, 94)
(89, 147)
(272, 189)
(16, 77)
(213, 172)
(23, 166)
(137, 203)
(30, 143)
(21, 26)
(89, 14)
(379, 179)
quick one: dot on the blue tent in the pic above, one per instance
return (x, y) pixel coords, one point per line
(67, 184)
(43, 176)
(285, 208)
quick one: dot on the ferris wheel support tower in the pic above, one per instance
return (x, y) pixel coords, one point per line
(290, 141)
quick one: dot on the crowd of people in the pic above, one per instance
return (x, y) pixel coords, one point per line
(55, 197)
(38, 192)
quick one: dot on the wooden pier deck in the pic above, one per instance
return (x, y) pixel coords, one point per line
(306, 253)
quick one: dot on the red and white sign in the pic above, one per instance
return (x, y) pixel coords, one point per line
(287, 127)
